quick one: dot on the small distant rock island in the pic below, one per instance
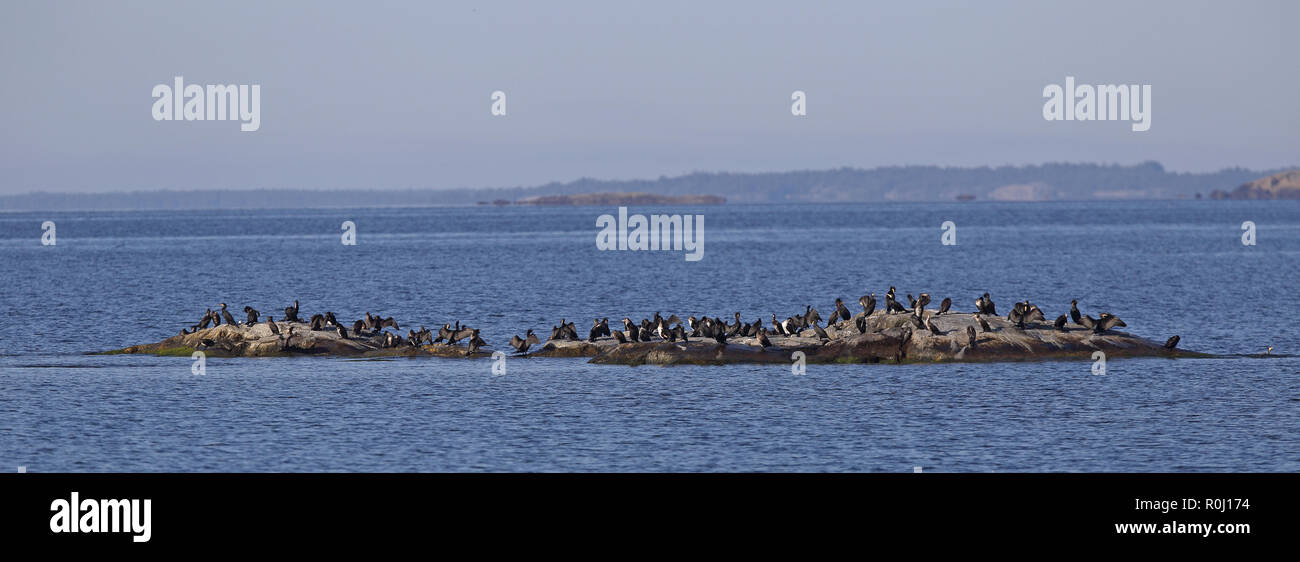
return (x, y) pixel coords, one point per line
(1285, 185)
(610, 199)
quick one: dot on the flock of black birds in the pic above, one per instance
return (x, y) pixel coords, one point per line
(370, 327)
(671, 329)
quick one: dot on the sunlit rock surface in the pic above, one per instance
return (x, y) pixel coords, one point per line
(258, 341)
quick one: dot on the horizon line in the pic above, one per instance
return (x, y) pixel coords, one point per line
(128, 191)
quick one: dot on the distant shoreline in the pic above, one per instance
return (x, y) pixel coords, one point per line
(1116, 202)
(918, 184)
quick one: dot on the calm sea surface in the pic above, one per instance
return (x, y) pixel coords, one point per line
(118, 279)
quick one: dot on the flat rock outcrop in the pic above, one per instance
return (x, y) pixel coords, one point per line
(258, 341)
(891, 338)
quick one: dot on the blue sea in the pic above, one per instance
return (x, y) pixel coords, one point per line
(115, 279)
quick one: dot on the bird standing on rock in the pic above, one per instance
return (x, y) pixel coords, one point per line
(868, 304)
(920, 303)
(1106, 322)
(475, 342)
(291, 313)
(285, 343)
(861, 324)
(891, 305)
(521, 345)
(207, 319)
(821, 334)
(841, 311)
(720, 336)
(811, 315)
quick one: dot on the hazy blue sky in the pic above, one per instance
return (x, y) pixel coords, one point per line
(397, 95)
